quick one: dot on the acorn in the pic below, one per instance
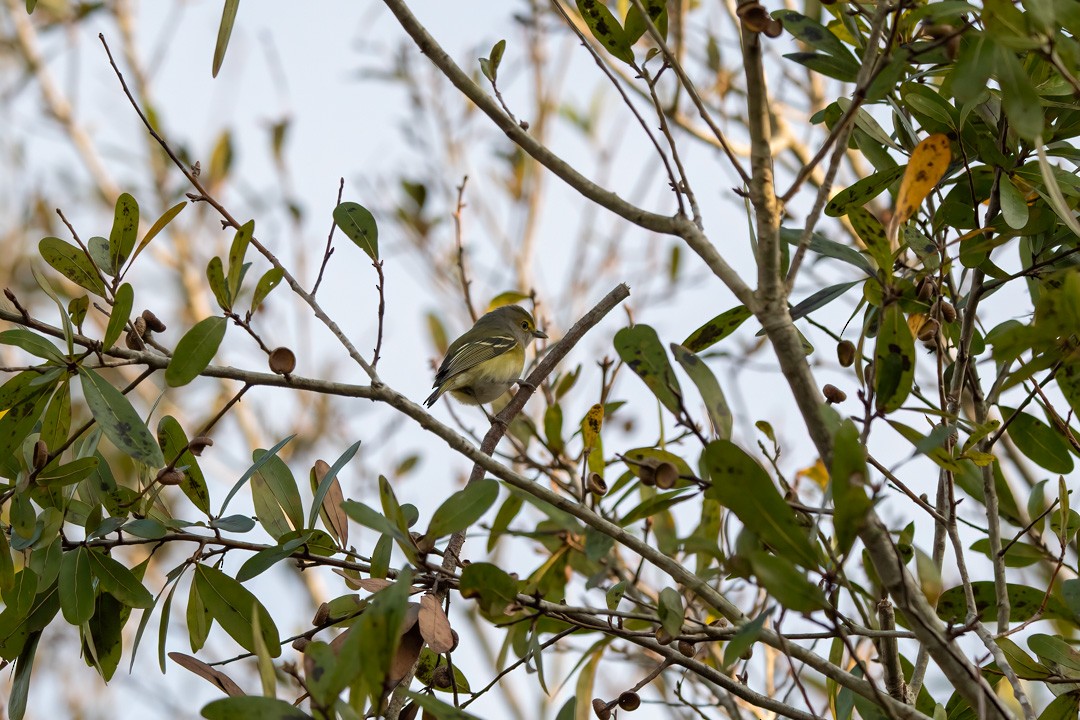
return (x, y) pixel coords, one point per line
(170, 476)
(774, 28)
(754, 16)
(456, 638)
(321, 615)
(282, 361)
(629, 701)
(687, 648)
(926, 289)
(300, 643)
(41, 454)
(133, 341)
(663, 636)
(833, 394)
(597, 486)
(601, 709)
(153, 324)
(929, 330)
(647, 474)
(441, 677)
(845, 353)
(948, 311)
(198, 444)
(666, 474)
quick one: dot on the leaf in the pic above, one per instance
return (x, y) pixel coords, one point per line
(927, 165)
(490, 65)
(76, 586)
(464, 508)
(437, 709)
(174, 445)
(124, 230)
(815, 35)
(195, 351)
(252, 708)
(826, 65)
(640, 348)
(716, 329)
(98, 247)
(233, 606)
(849, 477)
(872, 233)
(328, 479)
(743, 639)
(56, 475)
(20, 683)
(1018, 96)
(72, 263)
(740, 484)
(1014, 207)
(237, 251)
(434, 625)
(707, 384)
(508, 297)
(276, 497)
(334, 518)
(494, 589)
(894, 360)
(228, 19)
(215, 276)
(1038, 441)
(670, 610)
(591, 426)
(820, 299)
(123, 301)
(863, 191)
(270, 280)
(635, 25)
(259, 462)
(118, 419)
(32, 343)
(829, 248)
(158, 226)
(266, 558)
(1024, 603)
(119, 582)
(212, 675)
(359, 225)
(786, 583)
(605, 28)
(370, 518)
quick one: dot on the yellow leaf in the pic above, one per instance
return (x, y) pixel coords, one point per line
(927, 166)
(590, 426)
(506, 298)
(817, 472)
(915, 321)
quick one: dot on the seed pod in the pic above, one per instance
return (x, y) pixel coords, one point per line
(948, 312)
(133, 341)
(686, 648)
(629, 701)
(926, 289)
(41, 454)
(321, 615)
(929, 330)
(441, 677)
(754, 17)
(140, 326)
(845, 353)
(601, 709)
(198, 444)
(153, 324)
(597, 486)
(663, 636)
(457, 640)
(282, 361)
(666, 474)
(774, 28)
(647, 473)
(300, 643)
(409, 712)
(833, 394)
(170, 476)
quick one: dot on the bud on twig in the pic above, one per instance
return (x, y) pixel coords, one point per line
(845, 353)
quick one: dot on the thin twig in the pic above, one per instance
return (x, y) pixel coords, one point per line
(329, 241)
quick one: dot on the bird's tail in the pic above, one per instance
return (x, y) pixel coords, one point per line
(433, 397)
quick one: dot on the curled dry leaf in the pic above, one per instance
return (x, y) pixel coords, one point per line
(434, 625)
(211, 675)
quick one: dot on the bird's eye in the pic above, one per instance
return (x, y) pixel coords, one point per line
(524, 325)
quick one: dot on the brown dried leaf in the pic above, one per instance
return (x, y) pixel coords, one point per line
(337, 522)
(408, 651)
(434, 625)
(215, 677)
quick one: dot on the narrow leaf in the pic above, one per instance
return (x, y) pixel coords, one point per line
(195, 351)
(118, 419)
(228, 19)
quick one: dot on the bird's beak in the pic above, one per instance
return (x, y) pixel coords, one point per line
(540, 334)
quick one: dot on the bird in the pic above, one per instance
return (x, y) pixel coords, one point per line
(487, 360)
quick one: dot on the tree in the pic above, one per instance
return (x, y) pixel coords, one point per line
(702, 569)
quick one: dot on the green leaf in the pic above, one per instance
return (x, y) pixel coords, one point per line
(849, 477)
(707, 384)
(199, 619)
(740, 484)
(670, 610)
(493, 588)
(640, 348)
(974, 65)
(816, 36)
(259, 462)
(270, 280)
(263, 560)
(1024, 665)
(276, 496)
(195, 351)
(158, 226)
(820, 299)
(32, 343)
(251, 707)
(174, 445)
(119, 582)
(829, 248)
(328, 479)
(437, 709)
(894, 360)
(1053, 649)
(1024, 603)
(1063, 707)
(215, 276)
(1018, 97)
(20, 683)
(743, 639)
(786, 583)
(359, 225)
(1014, 207)
(118, 317)
(872, 233)
(716, 329)
(237, 251)
(124, 230)
(56, 475)
(490, 65)
(118, 419)
(1038, 441)
(370, 518)
(605, 28)
(72, 263)
(98, 247)
(233, 607)
(228, 19)
(464, 508)
(76, 586)
(827, 65)
(863, 191)
(635, 25)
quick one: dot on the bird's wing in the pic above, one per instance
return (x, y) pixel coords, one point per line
(471, 354)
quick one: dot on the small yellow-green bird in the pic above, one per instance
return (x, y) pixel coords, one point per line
(483, 363)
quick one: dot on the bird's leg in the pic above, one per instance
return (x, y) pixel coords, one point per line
(493, 419)
(523, 383)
